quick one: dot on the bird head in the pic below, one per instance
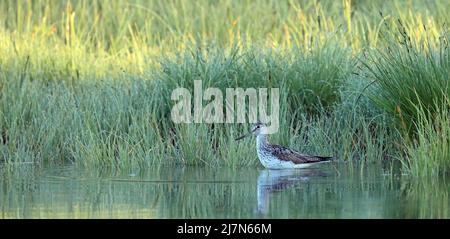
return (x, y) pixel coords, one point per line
(257, 129)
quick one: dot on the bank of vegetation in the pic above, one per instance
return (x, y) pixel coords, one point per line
(89, 82)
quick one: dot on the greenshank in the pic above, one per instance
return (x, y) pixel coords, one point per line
(274, 156)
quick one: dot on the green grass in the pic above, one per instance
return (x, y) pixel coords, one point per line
(89, 82)
(410, 74)
(430, 152)
(125, 121)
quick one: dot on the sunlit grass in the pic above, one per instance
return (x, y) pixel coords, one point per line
(408, 75)
(99, 37)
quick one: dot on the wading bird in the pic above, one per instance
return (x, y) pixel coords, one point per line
(274, 156)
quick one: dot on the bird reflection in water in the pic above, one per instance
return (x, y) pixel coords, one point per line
(272, 181)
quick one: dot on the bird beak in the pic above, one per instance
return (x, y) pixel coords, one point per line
(243, 136)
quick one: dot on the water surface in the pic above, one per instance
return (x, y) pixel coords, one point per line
(326, 191)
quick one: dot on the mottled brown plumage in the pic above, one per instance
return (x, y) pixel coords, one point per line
(286, 154)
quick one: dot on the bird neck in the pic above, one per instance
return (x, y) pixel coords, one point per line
(261, 140)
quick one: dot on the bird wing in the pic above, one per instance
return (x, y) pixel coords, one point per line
(286, 154)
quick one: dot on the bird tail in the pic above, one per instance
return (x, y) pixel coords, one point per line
(325, 158)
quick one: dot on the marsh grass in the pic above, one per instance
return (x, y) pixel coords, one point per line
(429, 154)
(125, 122)
(410, 74)
(89, 82)
(100, 38)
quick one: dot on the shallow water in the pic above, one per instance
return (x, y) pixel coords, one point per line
(326, 191)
